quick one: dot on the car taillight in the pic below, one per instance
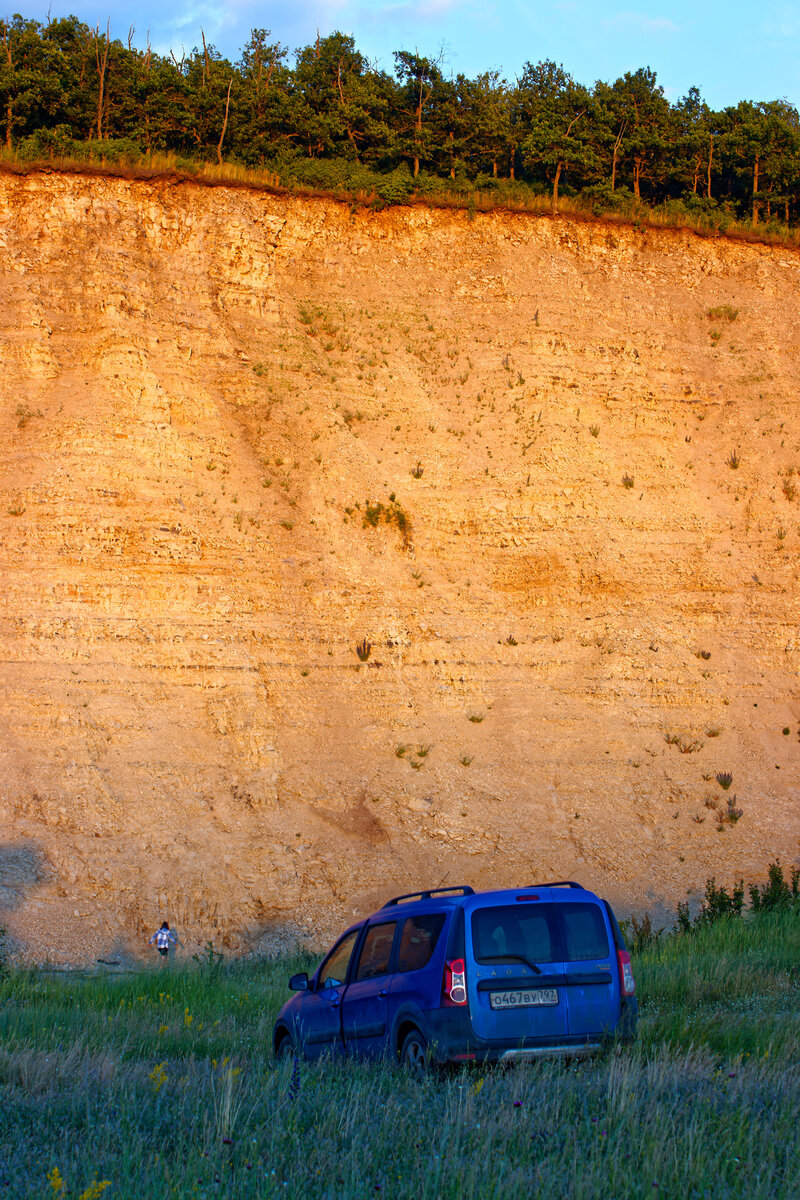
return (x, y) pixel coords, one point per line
(626, 979)
(455, 982)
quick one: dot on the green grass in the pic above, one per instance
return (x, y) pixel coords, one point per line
(139, 1079)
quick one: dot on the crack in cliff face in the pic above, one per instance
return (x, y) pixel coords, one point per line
(220, 410)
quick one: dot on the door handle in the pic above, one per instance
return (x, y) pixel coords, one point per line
(382, 994)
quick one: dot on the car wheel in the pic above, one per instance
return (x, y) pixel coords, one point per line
(284, 1047)
(414, 1054)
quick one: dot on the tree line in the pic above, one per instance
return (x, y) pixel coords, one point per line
(333, 119)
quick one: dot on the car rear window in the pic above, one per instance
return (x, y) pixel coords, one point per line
(585, 933)
(514, 931)
(376, 951)
(418, 941)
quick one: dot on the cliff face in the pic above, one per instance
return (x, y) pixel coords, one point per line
(580, 609)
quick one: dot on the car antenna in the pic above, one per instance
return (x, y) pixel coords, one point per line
(441, 881)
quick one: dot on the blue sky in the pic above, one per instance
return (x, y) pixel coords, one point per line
(731, 51)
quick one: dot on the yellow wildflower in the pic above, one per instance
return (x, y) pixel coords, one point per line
(95, 1189)
(158, 1076)
(56, 1181)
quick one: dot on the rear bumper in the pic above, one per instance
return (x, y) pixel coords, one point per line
(453, 1040)
(561, 1050)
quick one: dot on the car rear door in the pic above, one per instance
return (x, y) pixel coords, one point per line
(592, 985)
(365, 1002)
(515, 974)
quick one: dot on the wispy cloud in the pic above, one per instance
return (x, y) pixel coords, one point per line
(410, 13)
(783, 24)
(641, 23)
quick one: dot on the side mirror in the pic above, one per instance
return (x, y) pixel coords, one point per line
(299, 983)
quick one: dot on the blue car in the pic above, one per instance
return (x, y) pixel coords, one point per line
(452, 975)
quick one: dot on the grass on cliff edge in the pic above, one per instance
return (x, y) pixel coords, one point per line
(162, 1084)
(509, 197)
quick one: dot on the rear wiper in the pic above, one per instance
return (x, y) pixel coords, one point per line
(513, 958)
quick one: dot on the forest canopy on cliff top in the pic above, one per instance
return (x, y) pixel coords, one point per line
(334, 121)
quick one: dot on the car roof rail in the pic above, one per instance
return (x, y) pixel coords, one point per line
(457, 889)
(570, 883)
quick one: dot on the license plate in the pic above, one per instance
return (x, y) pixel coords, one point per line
(519, 999)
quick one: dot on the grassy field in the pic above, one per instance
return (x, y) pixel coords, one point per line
(162, 1084)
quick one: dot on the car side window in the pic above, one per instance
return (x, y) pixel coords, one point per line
(584, 932)
(376, 951)
(333, 971)
(418, 941)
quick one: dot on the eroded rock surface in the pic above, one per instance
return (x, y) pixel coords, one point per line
(580, 593)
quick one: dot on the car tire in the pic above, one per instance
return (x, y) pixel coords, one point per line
(414, 1056)
(284, 1047)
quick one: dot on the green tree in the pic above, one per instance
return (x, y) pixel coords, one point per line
(421, 85)
(30, 79)
(646, 132)
(556, 122)
(261, 123)
(695, 132)
(482, 123)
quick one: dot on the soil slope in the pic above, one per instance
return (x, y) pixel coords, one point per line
(546, 470)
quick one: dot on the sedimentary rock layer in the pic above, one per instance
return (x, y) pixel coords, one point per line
(544, 470)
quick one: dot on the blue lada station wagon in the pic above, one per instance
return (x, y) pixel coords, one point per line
(452, 975)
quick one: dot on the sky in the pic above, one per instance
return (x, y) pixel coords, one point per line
(732, 51)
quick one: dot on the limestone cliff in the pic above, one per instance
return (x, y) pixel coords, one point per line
(579, 592)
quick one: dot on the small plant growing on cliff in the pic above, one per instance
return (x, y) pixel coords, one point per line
(364, 649)
(704, 654)
(722, 312)
(732, 813)
(511, 640)
(789, 489)
(209, 959)
(640, 934)
(476, 718)
(594, 430)
(24, 415)
(392, 513)
(627, 481)
(724, 779)
(418, 471)
(733, 460)
(465, 760)
(778, 893)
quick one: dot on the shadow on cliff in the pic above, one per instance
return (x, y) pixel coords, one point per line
(23, 868)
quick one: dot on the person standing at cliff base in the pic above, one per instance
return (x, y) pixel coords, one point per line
(163, 939)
